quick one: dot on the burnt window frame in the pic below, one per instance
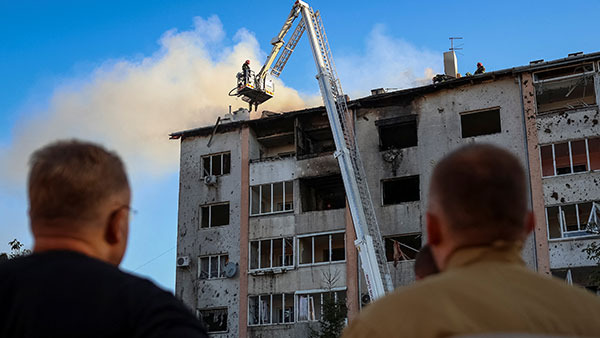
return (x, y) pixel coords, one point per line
(585, 73)
(210, 207)
(311, 192)
(200, 317)
(572, 169)
(476, 112)
(401, 178)
(398, 121)
(203, 172)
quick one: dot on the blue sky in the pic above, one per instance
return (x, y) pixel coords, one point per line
(56, 55)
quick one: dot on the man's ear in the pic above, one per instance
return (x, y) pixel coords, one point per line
(434, 235)
(116, 228)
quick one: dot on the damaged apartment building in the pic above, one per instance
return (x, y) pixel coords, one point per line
(264, 230)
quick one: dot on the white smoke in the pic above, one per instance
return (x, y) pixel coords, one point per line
(386, 62)
(132, 105)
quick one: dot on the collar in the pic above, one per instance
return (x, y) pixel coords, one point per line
(498, 251)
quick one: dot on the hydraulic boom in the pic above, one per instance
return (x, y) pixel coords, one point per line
(369, 242)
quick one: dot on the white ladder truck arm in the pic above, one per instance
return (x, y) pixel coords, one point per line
(369, 242)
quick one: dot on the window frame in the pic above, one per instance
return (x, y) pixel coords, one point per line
(270, 295)
(220, 274)
(321, 292)
(587, 154)
(313, 235)
(417, 234)
(210, 206)
(562, 226)
(563, 78)
(199, 312)
(204, 174)
(260, 213)
(271, 259)
(481, 111)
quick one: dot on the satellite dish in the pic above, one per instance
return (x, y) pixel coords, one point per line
(231, 269)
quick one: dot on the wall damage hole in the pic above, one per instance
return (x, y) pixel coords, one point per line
(480, 123)
(214, 320)
(400, 190)
(402, 247)
(322, 193)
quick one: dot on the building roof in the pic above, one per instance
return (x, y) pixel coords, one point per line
(385, 99)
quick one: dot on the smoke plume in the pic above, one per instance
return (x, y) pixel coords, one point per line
(132, 105)
(386, 62)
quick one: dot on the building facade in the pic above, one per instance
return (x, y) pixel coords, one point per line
(264, 232)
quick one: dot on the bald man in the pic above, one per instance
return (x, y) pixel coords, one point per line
(79, 205)
(477, 222)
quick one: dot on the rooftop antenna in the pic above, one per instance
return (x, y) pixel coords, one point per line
(458, 47)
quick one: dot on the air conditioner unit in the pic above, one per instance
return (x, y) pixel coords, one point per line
(210, 180)
(183, 261)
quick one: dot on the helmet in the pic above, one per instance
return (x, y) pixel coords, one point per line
(247, 62)
(479, 64)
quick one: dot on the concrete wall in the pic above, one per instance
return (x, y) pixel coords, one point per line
(194, 242)
(559, 127)
(439, 132)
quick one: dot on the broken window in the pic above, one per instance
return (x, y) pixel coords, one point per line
(569, 220)
(480, 123)
(271, 198)
(310, 305)
(325, 248)
(210, 267)
(214, 320)
(402, 247)
(594, 153)
(271, 309)
(322, 193)
(565, 88)
(313, 136)
(216, 164)
(547, 160)
(397, 133)
(400, 190)
(570, 157)
(272, 253)
(214, 215)
(275, 137)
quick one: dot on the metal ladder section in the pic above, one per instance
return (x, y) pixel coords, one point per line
(347, 125)
(288, 49)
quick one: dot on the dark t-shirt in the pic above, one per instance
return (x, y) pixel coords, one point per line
(67, 294)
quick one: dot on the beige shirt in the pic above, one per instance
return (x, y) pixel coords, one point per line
(483, 290)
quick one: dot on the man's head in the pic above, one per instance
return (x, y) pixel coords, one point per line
(79, 199)
(247, 62)
(477, 195)
(479, 64)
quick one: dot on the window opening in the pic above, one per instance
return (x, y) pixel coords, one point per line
(217, 164)
(322, 193)
(271, 198)
(402, 247)
(214, 320)
(214, 215)
(271, 253)
(400, 190)
(324, 248)
(212, 267)
(398, 136)
(480, 123)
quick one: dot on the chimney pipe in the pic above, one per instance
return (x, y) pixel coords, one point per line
(450, 66)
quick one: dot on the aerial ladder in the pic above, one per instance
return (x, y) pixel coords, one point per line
(256, 89)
